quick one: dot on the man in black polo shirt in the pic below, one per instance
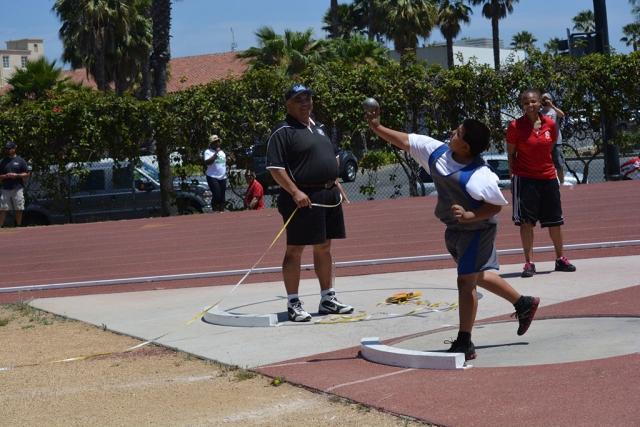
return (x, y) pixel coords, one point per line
(13, 170)
(303, 160)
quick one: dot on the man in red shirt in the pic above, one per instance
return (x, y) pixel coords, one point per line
(254, 199)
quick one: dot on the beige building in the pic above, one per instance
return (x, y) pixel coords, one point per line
(479, 49)
(16, 55)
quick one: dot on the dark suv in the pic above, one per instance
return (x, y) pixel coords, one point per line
(257, 161)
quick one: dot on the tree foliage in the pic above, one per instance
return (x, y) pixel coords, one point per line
(36, 80)
(79, 126)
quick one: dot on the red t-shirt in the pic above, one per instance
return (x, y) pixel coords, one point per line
(533, 149)
(255, 190)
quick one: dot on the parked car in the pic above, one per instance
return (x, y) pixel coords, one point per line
(110, 192)
(258, 163)
(500, 166)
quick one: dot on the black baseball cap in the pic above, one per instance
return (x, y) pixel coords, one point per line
(10, 144)
(295, 90)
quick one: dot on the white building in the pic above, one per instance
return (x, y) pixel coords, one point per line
(16, 55)
(480, 49)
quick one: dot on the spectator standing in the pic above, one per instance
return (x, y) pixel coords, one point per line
(254, 198)
(216, 173)
(304, 162)
(535, 188)
(13, 171)
(556, 115)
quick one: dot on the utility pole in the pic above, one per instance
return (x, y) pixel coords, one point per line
(233, 41)
(611, 152)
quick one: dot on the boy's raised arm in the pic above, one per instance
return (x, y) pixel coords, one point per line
(399, 139)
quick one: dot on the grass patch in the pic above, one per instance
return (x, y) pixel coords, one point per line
(243, 374)
(23, 309)
(362, 408)
(235, 371)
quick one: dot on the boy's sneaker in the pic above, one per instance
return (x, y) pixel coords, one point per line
(525, 310)
(529, 270)
(296, 312)
(458, 347)
(563, 264)
(329, 304)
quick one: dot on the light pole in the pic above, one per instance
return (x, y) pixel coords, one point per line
(611, 152)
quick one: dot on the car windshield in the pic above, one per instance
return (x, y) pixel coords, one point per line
(151, 171)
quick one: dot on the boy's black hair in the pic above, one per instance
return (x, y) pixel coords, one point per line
(477, 135)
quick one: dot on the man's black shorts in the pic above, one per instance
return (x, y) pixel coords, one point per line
(315, 225)
(536, 200)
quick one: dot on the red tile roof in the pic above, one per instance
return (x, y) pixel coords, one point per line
(194, 70)
(183, 72)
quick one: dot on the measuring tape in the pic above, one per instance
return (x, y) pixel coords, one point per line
(396, 299)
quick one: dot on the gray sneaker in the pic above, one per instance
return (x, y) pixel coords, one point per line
(296, 312)
(329, 304)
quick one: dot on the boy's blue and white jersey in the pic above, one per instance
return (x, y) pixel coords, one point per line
(483, 183)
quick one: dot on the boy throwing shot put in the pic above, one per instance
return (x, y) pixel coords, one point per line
(468, 203)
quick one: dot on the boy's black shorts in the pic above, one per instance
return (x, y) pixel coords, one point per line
(314, 225)
(536, 200)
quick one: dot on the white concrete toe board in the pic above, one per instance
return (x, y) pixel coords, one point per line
(373, 351)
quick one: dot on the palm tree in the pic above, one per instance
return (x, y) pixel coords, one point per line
(347, 21)
(103, 36)
(160, 56)
(523, 40)
(584, 22)
(635, 10)
(553, 45)
(161, 17)
(495, 10)
(406, 21)
(85, 35)
(367, 16)
(359, 50)
(134, 39)
(35, 80)
(632, 35)
(335, 19)
(450, 15)
(292, 52)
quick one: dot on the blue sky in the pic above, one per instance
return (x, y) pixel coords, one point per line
(204, 26)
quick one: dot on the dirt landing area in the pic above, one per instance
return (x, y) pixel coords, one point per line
(147, 386)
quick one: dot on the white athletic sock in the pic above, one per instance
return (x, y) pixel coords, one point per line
(292, 296)
(327, 292)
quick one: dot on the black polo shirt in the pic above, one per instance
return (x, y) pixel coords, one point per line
(15, 165)
(306, 153)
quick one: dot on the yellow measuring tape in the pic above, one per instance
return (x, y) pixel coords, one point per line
(397, 299)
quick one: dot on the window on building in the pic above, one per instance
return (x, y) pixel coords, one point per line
(5, 62)
(24, 61)
(35, 47)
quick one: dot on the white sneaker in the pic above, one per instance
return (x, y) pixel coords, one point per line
(329, 304)
(296, 312)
